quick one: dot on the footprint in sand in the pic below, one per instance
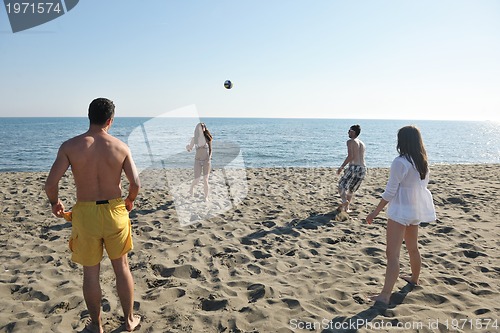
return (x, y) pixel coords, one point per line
(291, 303)
(257, 291)
(181, 272)
(24, 293)
(473, 254)
(212, 304)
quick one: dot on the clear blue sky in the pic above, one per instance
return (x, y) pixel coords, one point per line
(287, 58)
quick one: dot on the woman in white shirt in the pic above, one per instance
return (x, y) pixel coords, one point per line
(409, 203)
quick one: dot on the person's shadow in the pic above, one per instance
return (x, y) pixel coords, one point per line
(313, 221)
(342, 324)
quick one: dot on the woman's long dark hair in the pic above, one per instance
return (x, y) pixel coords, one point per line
(411, 146)
(206, 133)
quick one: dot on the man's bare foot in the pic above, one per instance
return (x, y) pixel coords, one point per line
(409, 279)
(131, 325)
(344, 206)
(91, 328)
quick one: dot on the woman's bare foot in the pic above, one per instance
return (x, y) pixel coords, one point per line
(409, 279)
(380, 298)
(131, 325)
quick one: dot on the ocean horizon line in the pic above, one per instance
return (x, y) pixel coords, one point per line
(254, 118)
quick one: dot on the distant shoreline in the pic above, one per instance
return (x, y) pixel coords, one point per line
(432, 166)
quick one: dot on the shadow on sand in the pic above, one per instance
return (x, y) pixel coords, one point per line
(314, 221)
(365, 319)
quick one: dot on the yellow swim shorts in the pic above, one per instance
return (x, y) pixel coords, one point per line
(98, 223)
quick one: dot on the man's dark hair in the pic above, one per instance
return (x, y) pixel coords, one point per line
(100, 110)
(357, 129)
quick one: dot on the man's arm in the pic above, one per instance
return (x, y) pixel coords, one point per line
(348, 159)
(133, 177)
(57, 170)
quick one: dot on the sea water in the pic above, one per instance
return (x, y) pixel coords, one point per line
(31, 144)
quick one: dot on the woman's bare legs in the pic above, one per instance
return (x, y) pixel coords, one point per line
(197, 176)
(206, 172)
(394, 239)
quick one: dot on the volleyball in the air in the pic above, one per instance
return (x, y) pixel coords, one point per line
(228, 84)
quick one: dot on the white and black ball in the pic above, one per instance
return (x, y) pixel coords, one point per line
(228, 84)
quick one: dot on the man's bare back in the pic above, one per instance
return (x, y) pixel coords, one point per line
(96, 160)
(356, 148)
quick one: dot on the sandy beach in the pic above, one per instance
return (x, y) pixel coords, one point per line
(274, 257)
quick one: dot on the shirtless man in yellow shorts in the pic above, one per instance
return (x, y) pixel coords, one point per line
(100, 215)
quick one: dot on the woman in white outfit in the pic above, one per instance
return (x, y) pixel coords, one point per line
(409, 203)
(202, 142)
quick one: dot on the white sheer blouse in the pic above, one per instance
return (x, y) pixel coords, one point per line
(410, 202)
